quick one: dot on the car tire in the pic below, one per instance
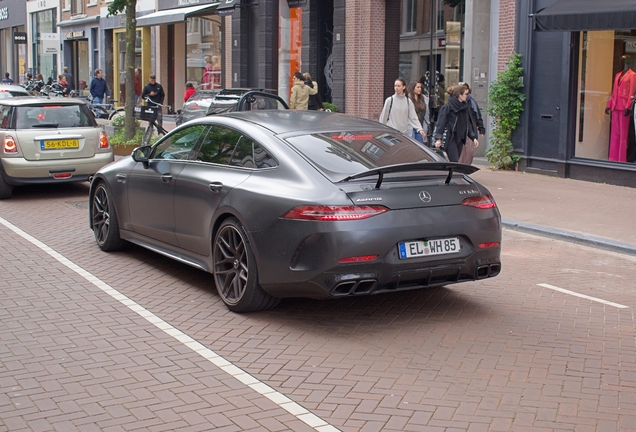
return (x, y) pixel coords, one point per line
(104, 220)
(6, 190)
(235, 272)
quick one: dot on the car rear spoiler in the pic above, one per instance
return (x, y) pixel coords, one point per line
(451, 167)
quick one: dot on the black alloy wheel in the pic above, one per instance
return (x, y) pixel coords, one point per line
(235, 273)
(104, 219)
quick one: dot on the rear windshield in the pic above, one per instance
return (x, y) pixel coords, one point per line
(54, 116)
(222, 107)
(340, 154)
(11, 93)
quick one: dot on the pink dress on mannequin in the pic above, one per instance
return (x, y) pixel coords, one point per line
(621, 99)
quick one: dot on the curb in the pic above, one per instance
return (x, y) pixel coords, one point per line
(571, 236)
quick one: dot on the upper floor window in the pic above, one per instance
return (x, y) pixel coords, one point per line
(440, 15)
(66, 5)
(409, 16)
(77, 7)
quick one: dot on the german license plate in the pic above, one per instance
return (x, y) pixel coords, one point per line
(420, 248)
(59, 144)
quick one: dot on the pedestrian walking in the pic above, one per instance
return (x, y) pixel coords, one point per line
(300, 93)
(315, 100)
(415, 94)
(469, 149)
(61, 80)
(69, 78)
(189, 91)
(154, 91)
(98, 88)
(7, 79)
(399, 112)
(454, 124)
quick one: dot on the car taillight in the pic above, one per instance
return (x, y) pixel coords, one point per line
(334, 213)
(356, 259)
(103, 140)
(480, 202)
(488, 245)
(10, 145)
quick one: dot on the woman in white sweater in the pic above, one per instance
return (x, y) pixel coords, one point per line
(398, 111)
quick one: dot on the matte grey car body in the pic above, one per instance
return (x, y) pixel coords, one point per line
(299, 204)
(48, 140)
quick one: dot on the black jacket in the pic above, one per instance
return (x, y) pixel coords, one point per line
(454, 119)
(477, 112)
(157, 88)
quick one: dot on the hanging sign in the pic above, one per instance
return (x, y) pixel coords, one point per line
(50, 43)
(19, 37)
(296, 3)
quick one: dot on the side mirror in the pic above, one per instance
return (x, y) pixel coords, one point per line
(142, 154)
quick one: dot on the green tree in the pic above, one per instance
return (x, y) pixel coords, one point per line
(128, 7)
(505, 105)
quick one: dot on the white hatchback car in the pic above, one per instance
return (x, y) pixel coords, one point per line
(48, 141)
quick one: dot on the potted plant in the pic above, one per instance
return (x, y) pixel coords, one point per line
(117, 123)
(123, 147)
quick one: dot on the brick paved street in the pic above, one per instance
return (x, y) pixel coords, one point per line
(496, 355)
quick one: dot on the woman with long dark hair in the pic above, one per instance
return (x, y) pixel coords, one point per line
(454, 124)
(414, 91)
(398, 111)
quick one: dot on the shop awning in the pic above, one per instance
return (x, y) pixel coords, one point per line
(226, 7)
(171, 16)
(580, 15)
(85, 20)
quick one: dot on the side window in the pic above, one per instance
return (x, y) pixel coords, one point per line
(181, 144)
(250, 154)
(218, 145)
(5, 117)
(262, 102)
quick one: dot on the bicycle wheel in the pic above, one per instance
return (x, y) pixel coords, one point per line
(147, 134)
(116, 112)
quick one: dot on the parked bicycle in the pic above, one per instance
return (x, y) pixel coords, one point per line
(103, 110)
(152, 114)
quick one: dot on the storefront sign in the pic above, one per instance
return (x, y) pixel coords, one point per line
(187, 2)
(50, 43)
(74, 35)
(630, 46)
(4, 13)
(20, 37)
(226, 7)
(296, 3)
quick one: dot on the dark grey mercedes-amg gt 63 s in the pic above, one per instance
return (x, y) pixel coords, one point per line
(311, 204)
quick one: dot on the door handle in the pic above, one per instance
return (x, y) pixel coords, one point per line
(121, 178)
(216, 186)
(166, 178)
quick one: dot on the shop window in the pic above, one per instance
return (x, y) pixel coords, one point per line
(606, 85)
(290, 44)
(203, 44)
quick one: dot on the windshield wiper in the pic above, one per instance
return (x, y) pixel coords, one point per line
(452, 167)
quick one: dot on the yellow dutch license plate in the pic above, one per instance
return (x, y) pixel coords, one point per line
(59, 144)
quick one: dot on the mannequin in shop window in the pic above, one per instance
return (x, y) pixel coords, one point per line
(619, 108)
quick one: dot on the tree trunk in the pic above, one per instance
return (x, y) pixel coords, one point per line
(131, 42)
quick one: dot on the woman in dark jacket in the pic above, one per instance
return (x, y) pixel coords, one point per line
(454, 124)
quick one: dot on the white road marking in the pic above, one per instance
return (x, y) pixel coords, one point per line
(605, 302)
(278, 398)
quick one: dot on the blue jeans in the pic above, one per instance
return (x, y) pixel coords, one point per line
(418, 136)
(97, 100)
